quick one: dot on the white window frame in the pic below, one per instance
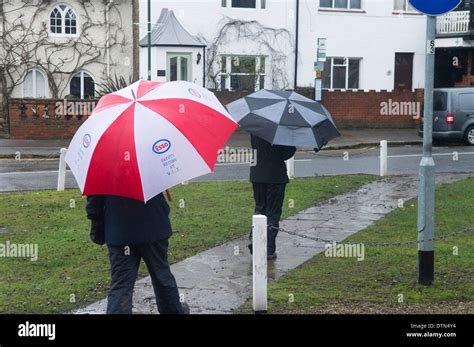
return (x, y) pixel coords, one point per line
(348, 8)
(346, 65)
(259, 4)
(228, 70)
(407, 8)
(82, 72)
(178, 55)
(35, 91)
(63, 20)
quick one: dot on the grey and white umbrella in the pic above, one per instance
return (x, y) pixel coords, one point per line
(284, 118)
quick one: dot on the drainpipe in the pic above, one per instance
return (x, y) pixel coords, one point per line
(204, 67)
(107, 39)
(296, 41)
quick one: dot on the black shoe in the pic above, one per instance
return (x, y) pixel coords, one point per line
(272, 256)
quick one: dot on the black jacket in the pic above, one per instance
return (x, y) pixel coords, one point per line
(270, 166)
(128, 221)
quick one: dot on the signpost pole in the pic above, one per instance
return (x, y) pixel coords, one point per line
(149, 40)
(426, 196)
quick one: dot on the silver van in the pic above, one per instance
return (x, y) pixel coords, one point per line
(453, 117)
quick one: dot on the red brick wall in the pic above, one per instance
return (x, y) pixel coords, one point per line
(468, 79)
(355, 109)
(349, 109)
(51, 126)
(363, 109)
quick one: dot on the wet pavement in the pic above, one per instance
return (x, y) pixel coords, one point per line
(350, 138)
(18, 175)
(219, 280)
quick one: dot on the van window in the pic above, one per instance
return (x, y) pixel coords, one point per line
(440, 102)
(466, 102)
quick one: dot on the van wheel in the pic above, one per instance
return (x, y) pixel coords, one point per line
(469, 136)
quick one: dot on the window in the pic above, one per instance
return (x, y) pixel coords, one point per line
(466, 102)
(244, 3)
(440, 101)
(63, 21)
(34, 85)
(82, 86)
(179, 67)
(403, 6)
(242, 72)
(341, 4)
(341, 73)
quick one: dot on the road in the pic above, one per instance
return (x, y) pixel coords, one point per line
(17, 175)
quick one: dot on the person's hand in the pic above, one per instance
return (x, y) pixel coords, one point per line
(97, 233)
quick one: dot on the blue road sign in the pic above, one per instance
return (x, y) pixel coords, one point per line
(435, 7)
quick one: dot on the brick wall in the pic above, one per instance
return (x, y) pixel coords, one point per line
(3, 111)
(349, 109)
(468, 78)
(59, 122)
(357, 108)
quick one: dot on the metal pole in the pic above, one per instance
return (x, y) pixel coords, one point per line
(426, 193)
(62, 170)
(149, 40)
(259, 263)
(383, 158)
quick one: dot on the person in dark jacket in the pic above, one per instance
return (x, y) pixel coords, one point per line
(133, 231)
(269, 180)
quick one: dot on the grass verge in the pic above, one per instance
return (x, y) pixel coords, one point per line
(71, 271)
(386, 281)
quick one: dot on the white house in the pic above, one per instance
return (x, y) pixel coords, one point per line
(251, 44)
(52, 49)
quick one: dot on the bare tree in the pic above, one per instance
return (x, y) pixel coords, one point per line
(25, 42)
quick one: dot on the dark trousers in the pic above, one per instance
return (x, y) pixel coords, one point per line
(124, 268)
(268, 202)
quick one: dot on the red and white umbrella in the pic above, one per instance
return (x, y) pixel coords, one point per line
(148, 137)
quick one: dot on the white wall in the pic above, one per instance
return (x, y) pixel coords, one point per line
(158, 62)
(375, 35)
(206, 17)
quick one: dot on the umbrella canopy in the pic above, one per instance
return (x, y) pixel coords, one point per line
(147, 138)
(284, 118)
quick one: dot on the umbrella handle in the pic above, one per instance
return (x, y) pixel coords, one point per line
(168, 195)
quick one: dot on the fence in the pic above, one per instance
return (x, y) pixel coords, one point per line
(455, 22)
(47, 118)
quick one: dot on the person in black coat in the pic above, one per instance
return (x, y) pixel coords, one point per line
(269, 180)
(133, 231)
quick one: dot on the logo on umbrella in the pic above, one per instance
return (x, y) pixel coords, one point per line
(194, 92)
(86, 141)
(161, 146)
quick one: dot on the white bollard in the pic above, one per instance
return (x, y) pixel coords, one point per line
(290, 168)
(259, 265)
(383, 158)
(62, 170)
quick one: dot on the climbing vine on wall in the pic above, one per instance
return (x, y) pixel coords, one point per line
(273, 42)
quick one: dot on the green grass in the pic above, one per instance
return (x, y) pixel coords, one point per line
(69, 264)
(345, 285)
